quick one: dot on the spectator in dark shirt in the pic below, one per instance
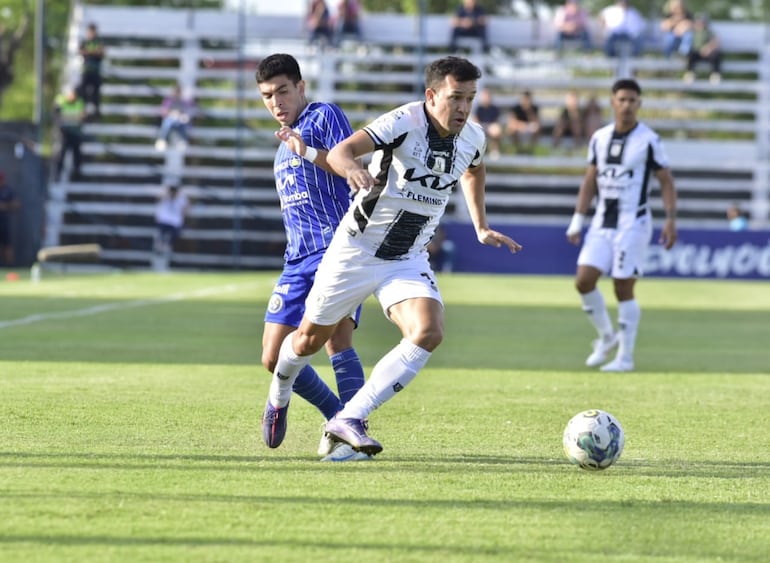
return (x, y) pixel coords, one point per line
(487, 114)
(524, 123)
(470, 20)
(92, 51)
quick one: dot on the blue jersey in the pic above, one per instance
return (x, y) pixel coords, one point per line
(313, 201)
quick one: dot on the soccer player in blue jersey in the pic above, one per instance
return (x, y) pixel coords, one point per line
(313, 201)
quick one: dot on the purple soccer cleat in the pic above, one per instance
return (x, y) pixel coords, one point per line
(274, 424)
(352, 431)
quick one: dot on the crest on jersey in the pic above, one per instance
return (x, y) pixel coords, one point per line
(439, 162)
(295, 161)
(275, 304)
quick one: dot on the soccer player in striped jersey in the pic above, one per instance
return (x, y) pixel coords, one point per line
(421, 151)
(621, 158)
(313, 201)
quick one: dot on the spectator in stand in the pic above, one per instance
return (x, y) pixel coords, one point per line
(470, 20)
(570, 123)
(676, 26)
(572, 23)
(705, 47)
(319, 24)
(622, 24)
(348, 20)
(176, 112)
(524, 123)
(739, 220)
(69, 114)
(170, 215)
(9, 203)
(487, 114)
(592, 117)
(92, 51)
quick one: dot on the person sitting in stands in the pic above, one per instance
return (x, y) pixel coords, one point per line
(319, 24)
(572, 23)
(676, 26)
(487, 114)
(524, 123)
(705, 47)
(570, 123)
(470, 20)
(348, 20)
(622, 24)
(177, 111)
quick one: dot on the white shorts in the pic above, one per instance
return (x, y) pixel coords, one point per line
(619, 253)
(348, 275)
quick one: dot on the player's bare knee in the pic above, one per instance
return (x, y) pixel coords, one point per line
(584, 286)
(268, 362)
(428, 338)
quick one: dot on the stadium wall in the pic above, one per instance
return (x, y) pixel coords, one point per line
(697, 254)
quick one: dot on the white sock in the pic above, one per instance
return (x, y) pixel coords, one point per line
(596, 309)
(391, 374)
(286, 371)
(629, 314)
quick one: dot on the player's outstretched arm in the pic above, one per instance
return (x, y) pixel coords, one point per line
(668, 234)
(473, 183)
(343, 159)
(297, 145)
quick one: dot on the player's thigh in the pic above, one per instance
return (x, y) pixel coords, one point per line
(345, 278)
(629, 252)
(596, 251)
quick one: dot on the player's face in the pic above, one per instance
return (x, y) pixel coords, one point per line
(625, 105)
(450, 105)
(284, 99)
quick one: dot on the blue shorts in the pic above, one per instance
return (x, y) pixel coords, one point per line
(287, 303)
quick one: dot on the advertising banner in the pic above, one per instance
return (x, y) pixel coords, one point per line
(697, 253)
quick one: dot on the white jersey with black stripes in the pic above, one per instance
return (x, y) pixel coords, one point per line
(415, 172)
(624, 163)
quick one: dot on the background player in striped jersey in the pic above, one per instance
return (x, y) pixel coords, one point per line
(313, 200)
(621, 158)
(421, 151)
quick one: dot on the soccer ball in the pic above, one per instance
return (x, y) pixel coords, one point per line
(593, 440)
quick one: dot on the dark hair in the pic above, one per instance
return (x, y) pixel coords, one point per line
(626, 84)
(276, 65)
(461, 69)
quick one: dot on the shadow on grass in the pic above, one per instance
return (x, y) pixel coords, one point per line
(416, 464)
(477, 337)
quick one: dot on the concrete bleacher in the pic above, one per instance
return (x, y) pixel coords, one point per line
(717, 136)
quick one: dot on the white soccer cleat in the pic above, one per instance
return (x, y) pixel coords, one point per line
(345, 452)
(326, 445)
(619, 364)
(602, 349)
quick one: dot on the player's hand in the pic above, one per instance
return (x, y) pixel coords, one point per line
(574, 238)
(292, 139)
(360, 179)
(668, 235)
(493, 238)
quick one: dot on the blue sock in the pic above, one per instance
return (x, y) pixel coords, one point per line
(349, 373)
(314, 390)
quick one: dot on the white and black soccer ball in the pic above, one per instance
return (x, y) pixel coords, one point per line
(593, 440)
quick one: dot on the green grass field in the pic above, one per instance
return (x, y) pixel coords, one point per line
(130, 405)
